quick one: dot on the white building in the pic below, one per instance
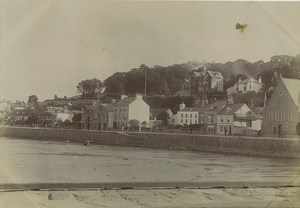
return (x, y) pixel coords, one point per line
(187, 116)
(247, 85)
(130, 108)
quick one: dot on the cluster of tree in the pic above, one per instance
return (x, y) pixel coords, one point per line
(169, 80)
(89, 87)
(159, 80)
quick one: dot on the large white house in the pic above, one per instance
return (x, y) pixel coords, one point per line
(188, 116)
(130, 108)
(247, 85)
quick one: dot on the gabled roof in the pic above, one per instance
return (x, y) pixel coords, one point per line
(197, 109)
(230, 109)
(215, 106)
(125, 101)
(215, 74)
(201, 72)
(293, 87)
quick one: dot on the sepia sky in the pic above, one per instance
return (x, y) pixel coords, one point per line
(47, 47)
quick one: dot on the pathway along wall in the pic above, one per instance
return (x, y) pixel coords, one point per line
(258, 146)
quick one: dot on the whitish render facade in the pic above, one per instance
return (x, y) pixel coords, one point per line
(247, 85)
(188, 116)
(130, 108)
(282, 111)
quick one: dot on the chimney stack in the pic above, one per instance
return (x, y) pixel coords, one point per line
(230, 100)
(139, 96)
(182, 106)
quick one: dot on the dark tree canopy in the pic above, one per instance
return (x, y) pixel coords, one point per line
(89, 87)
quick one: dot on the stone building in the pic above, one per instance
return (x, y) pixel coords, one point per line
(208, 116)
(281, 113)
(99, 116)
(204, 81)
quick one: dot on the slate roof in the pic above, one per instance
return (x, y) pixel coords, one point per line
(211, 73)
(230, 109)
(293, 87)
(215, 106)
(125, 101)
(215, 74)
(193, 109)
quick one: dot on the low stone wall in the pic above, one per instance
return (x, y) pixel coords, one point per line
(259, 146)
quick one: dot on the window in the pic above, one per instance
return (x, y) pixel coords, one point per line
(280, 108)
(196, 115)
(191, 121)
(181, 120)
(182, 115)
(191, 115)
(221, 119)
(125, 108)
(186, 115)
(196, 121)
(185, 120)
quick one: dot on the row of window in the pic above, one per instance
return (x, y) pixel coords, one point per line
(280, 114)
(185, 121)
(121, 108)
(191, 115)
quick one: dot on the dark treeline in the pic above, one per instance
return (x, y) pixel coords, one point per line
(168, 80)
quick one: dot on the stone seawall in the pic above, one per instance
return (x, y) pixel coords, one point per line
(258, 146)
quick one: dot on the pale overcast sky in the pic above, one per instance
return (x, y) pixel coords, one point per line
(47, 47)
